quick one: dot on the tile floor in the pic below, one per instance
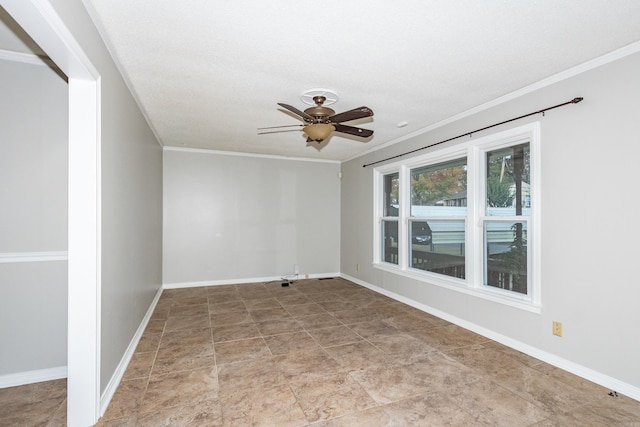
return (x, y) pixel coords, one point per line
(324, 353)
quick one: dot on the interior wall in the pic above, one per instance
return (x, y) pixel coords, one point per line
(234, 217)
(589, 163)
(33, 219)
(130, 199)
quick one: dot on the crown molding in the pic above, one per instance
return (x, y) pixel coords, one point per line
(563, 75)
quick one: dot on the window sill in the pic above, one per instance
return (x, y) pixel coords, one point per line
(458, 285)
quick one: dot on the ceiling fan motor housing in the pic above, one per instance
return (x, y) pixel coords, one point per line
(319, 112)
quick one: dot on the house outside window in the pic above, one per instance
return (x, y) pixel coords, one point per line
(465, 217)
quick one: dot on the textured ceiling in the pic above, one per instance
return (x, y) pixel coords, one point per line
(208, 73)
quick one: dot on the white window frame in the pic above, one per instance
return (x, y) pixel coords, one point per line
(474, 150)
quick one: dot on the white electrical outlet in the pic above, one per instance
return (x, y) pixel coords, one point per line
(296, 269)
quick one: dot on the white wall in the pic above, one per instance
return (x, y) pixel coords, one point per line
(589, 225)
(234, 217)
(33, 219)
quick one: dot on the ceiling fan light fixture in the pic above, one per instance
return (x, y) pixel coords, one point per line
(319, 131)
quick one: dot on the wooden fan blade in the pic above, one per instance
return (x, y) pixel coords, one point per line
(305, 116)
(351, 130)
(356, 113)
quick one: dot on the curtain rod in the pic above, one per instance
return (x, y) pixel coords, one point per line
(573, 101)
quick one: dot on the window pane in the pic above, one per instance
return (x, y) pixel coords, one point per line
(508, 181)
(438, 246)
(439, 189)
(391, 197)
(506, 255)
(390, 241)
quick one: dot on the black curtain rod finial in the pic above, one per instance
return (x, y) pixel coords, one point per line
(573, 101)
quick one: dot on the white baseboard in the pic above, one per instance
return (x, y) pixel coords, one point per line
(114, 382)
(29, 377)
(559, 362)
(291, 277)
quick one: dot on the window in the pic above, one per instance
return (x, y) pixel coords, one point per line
(437, 218)
(507, 212)
(465, 217)
(389, 220)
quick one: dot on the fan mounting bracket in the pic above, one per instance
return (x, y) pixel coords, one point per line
(331, 97)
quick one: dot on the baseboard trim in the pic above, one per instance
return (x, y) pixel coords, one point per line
(559, 362)
(292, 277)
(114, 382)
(30, 377)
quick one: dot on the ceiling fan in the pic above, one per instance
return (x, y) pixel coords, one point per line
(321, 121)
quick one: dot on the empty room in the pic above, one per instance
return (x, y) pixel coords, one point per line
(358, 213)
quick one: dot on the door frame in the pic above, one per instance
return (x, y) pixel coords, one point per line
(46, 28)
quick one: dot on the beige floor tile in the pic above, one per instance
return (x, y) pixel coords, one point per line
(485, 359)
(434, 409)
(222, 297)
(357, 355)
(406, 323)
(261, 304)
(235, 332)
(320, 320)
(139, 366)
(276, 407)
(290, 342)
(330, 396)
(148, 342)
(179, 303)
(186, 338)
(203, 414)
(493, 405)
(400, 345)
(336, 335)
(297, 299)
(226, 307)
(278, 326)
(409, 377)
(127, 399)
(236, 351)
(190, 310)
(261, 374)
(545, 391)
(222, 289)
(269, 314)
(155, 326)
(373, 328)
(301, 364)
(447, 338)
(119, 422)
(183, 358)
(357, 315)
(374, 417)
(230, 318)
(180, 389)
(337, 305)
(182, 323)
(301, 310)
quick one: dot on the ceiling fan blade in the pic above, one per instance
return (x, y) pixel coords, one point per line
(356, 113)
(263, 132)
(351, 130)
(283, 126)
(305, 116)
